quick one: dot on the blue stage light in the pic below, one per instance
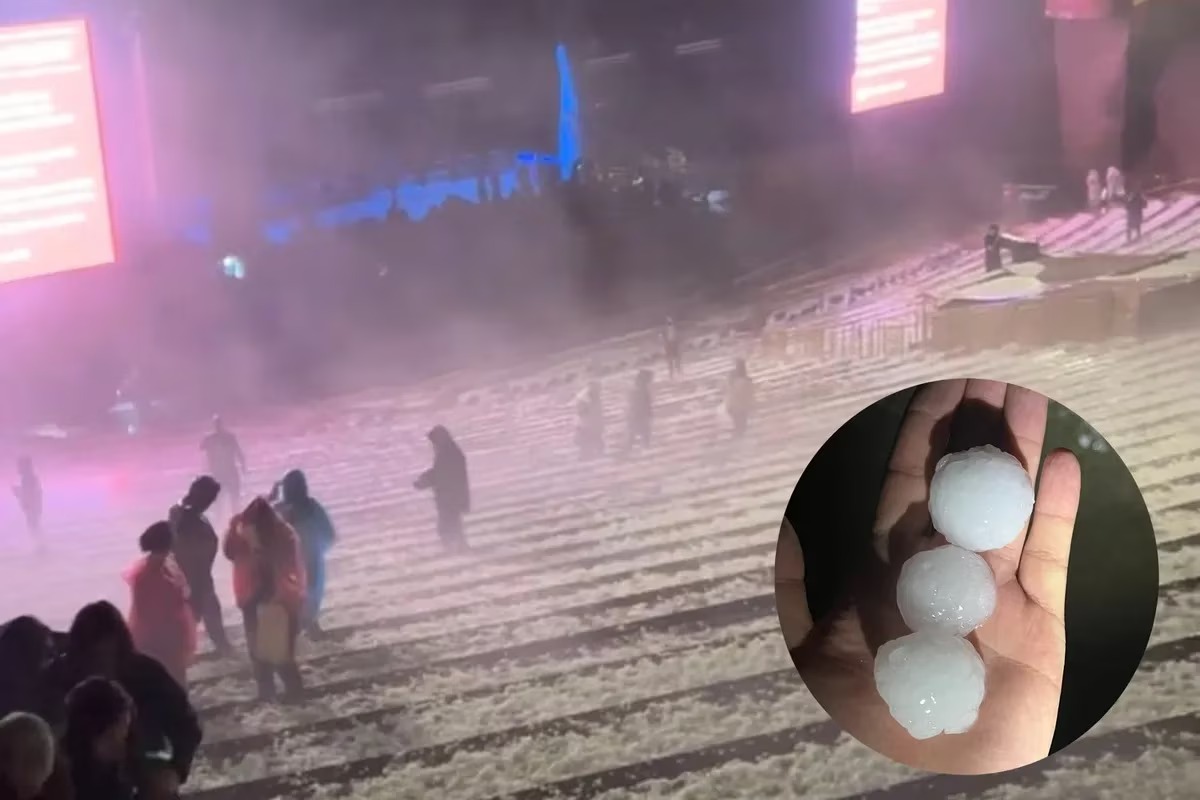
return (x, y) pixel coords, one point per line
(416, 197)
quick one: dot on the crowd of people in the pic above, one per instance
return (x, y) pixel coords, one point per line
(87, 714)
(1102, 193)
(101, 711)
(1111, 190)
(591, 428)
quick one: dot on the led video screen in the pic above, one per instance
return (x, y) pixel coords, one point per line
(54, 208)
(900, 52)
(1081, 9)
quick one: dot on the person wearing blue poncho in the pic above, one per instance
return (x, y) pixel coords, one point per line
(316, 532)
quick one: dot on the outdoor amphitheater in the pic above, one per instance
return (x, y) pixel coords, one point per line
(611, 633)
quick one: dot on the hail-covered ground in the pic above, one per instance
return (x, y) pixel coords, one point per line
(612, 634)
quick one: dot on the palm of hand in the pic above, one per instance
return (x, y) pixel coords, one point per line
(1023, 644)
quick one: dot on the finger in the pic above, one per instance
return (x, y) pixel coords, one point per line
(903, 501)
(1025, 417)
(1025, 421)
(989, 393)
(791, 601)
(1025, 412)
(1043, 569)
(920, 432)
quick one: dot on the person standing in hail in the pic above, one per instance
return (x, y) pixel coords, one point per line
(315, 529)
(1114, 187)
(1135, 211)
(993, 254)
(672, 348)
(160, 614)
(269, 585)
(226, 462)
(589, 426)
(28, 492)
(196, 544)
(739, 397)
(1095, 190)
(451, 487)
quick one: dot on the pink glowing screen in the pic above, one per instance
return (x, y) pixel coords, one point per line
(900, 52)
(54, 209)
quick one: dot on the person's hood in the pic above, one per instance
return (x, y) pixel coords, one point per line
(202, 494)
(294, 487)
(441, 439)
(137, 569)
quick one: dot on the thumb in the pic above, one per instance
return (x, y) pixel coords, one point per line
(791, 602)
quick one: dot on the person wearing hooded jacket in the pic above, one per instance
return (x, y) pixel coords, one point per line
(317, 534)
(28, 492)
(739, 397)
(160, 614)
(449, 481)
(195, 545)
(225, 460)
(268, 571)
(166, 731)
(1135, 213)
(589, 429)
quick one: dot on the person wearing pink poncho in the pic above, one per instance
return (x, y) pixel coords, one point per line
(160, 614)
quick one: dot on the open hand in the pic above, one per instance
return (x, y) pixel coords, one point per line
(1023, 644)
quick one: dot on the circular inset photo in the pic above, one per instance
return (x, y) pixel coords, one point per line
(966, 577)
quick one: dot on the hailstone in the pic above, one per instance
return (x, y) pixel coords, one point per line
(946, 590)
(980, 499)
(932, 683)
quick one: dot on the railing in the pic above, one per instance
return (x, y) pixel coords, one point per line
(892, 334)
(1189, 184)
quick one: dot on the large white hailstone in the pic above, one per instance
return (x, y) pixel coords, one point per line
(980, 499)
(932, 683)
(946, 590)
